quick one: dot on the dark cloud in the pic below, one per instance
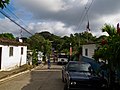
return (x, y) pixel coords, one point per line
(69, 12)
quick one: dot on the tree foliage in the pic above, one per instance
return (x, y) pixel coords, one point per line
(7, 35)
(62, 44)
(36, 42)
(3, 3)
(39, 43)
(110, 51)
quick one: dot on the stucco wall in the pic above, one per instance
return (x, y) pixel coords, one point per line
(91, 48)
(10, 62)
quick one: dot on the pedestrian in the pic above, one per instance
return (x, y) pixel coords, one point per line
(49, 64)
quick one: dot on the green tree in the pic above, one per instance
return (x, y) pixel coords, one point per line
(3, 3)
(38, 43)
(62, 44)
(47, 47)
(34, 57)
(110, 50)
(35, 42)
(7, 35)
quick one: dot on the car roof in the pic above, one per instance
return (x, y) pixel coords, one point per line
(79, 62)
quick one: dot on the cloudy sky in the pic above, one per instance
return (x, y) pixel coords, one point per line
(60, 17)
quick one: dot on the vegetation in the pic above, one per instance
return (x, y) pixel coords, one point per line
(3, 3)
(45, 42)
(7, 35)
(62, 44)
(109, 50)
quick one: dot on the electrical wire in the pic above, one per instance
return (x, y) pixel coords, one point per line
(83, 17)
(10, 12)
(79, 24)
(2, 12)
(16, 16)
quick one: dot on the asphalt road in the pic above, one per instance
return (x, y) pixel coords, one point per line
(38, 79)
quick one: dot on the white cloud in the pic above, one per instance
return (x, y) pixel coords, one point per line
(57, 28)
(111, 19)
(62, 16)
(83, 2)
(6, 26)
(99, 33)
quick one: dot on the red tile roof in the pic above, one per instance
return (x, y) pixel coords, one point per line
(4, 41)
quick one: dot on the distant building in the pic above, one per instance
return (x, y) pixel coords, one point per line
(12, 54)
(88, 50)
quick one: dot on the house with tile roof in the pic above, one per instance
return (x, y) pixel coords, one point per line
(13, 54)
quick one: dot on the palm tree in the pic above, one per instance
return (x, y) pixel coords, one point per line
(109, 29)
(110, 51)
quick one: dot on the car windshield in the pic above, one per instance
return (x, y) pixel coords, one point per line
(83, 67)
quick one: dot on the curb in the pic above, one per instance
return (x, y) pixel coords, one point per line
(8, 77)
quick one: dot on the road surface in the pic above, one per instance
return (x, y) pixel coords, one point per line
(38, 79)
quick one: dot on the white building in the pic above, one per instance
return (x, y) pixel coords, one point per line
(12, 54)
(88, 50)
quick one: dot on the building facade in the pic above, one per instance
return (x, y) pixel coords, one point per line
(12, 54)
(88, 50)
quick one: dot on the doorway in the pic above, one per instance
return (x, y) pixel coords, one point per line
(0, 56)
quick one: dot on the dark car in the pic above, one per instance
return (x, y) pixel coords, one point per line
(80, 74)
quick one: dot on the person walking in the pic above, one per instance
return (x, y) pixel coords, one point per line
(49, 63)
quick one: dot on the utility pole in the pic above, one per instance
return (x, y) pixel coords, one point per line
(70, 51)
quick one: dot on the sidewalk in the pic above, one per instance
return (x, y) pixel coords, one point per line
(5, 74)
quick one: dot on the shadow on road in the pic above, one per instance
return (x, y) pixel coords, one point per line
(45, 80)
(48, 79)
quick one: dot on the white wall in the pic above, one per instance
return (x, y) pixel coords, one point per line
(10, 62)
(91, 48)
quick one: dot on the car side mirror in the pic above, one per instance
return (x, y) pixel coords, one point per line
(91, 70)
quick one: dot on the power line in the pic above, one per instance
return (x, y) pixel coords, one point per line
(79, 24)
(9, 11)
(2, 12)
(86, 9)
(16, 16)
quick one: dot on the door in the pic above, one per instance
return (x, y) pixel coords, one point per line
(0, 56)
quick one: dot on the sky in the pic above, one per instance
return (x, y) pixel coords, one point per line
(59, 17)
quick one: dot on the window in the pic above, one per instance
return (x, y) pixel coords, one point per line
(86, 52)
(11, 51)
(21, 50)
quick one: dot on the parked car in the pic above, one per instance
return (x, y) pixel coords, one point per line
(62, 59)
(78, 74)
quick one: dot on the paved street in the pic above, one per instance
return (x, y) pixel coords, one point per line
(38, 79)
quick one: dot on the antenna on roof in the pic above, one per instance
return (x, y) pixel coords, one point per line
(21, 32)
